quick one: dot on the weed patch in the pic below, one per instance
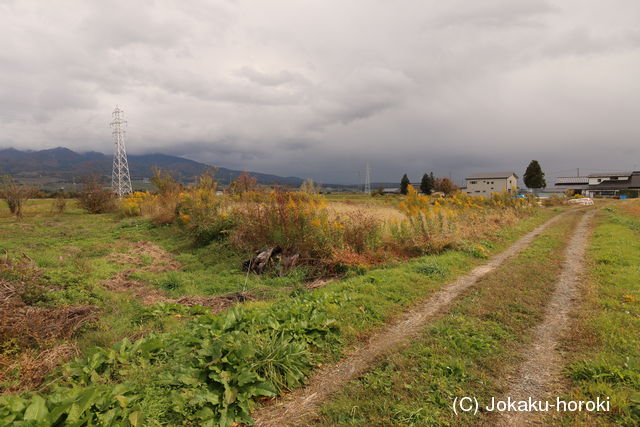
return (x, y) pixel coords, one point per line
(603, 348)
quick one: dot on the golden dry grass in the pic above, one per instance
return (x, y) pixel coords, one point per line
(631, 207)
(383, 213)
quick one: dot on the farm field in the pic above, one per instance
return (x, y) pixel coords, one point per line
(120, 318)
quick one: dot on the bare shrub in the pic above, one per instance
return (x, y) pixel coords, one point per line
(16, 195)
(94, 197)
(243, 184)
(60, 204)
(310, 187)
(168, 197)
(361, 232)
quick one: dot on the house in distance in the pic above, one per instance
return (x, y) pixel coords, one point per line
(607, 184)
(483, 184)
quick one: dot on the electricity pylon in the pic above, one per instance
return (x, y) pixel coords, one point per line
(367, 179)
(120, 179)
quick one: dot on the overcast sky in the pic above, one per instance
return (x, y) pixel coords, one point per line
(317, 88)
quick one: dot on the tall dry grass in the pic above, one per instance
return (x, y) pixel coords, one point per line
(304, 223)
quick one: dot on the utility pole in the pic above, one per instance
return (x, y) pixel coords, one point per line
(120, 179)
(578, 172)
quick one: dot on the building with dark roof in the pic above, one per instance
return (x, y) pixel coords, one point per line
(483, 184)
(614, 184)
(576, 184)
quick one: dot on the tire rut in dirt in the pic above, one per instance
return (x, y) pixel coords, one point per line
(539, 376)
(297, 406)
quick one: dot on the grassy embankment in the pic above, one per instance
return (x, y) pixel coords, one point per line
(603, 349)
(464, 352)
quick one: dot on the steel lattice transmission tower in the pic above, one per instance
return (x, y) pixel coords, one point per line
(367, 179)
(120, 179)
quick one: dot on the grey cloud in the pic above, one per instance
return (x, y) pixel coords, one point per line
(317, 88)
(498, 13)
(361, 94)
(270, 79)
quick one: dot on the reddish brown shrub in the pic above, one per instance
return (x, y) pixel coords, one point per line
(95, 197)
(243, 184)
(361, 232)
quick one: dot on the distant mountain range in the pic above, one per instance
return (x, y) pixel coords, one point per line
(61, 165)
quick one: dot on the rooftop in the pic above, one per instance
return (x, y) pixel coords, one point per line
(632, 183)
(608, 174)
(492, 175)
(572, 180)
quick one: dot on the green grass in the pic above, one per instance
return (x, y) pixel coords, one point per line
(73, 251)
(604, 349)
(358, 304)
(461, 353)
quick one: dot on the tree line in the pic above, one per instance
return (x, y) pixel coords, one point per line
(430, 184)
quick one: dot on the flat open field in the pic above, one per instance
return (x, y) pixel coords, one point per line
(375, 311)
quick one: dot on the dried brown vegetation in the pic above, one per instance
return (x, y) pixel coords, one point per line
(33, 339)
(243, 184)
(60, 204)
(16, 195)
(161, 261)
(94, 197)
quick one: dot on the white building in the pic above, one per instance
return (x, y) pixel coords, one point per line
(597, 178)
(483, 184)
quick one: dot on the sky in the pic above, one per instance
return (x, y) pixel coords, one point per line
(317, 88)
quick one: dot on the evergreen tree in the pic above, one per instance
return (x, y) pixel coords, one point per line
(404, 184)
(426, 185)
(534, 177)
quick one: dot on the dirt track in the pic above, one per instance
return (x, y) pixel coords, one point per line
(539, 374)
(296, 407)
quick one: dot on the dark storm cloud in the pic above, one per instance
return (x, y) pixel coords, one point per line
(317, 88)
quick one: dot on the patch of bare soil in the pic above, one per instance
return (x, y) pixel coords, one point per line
(217, 303)
(296, 407)
(539, 376)
(122, 283)
(161, 261)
